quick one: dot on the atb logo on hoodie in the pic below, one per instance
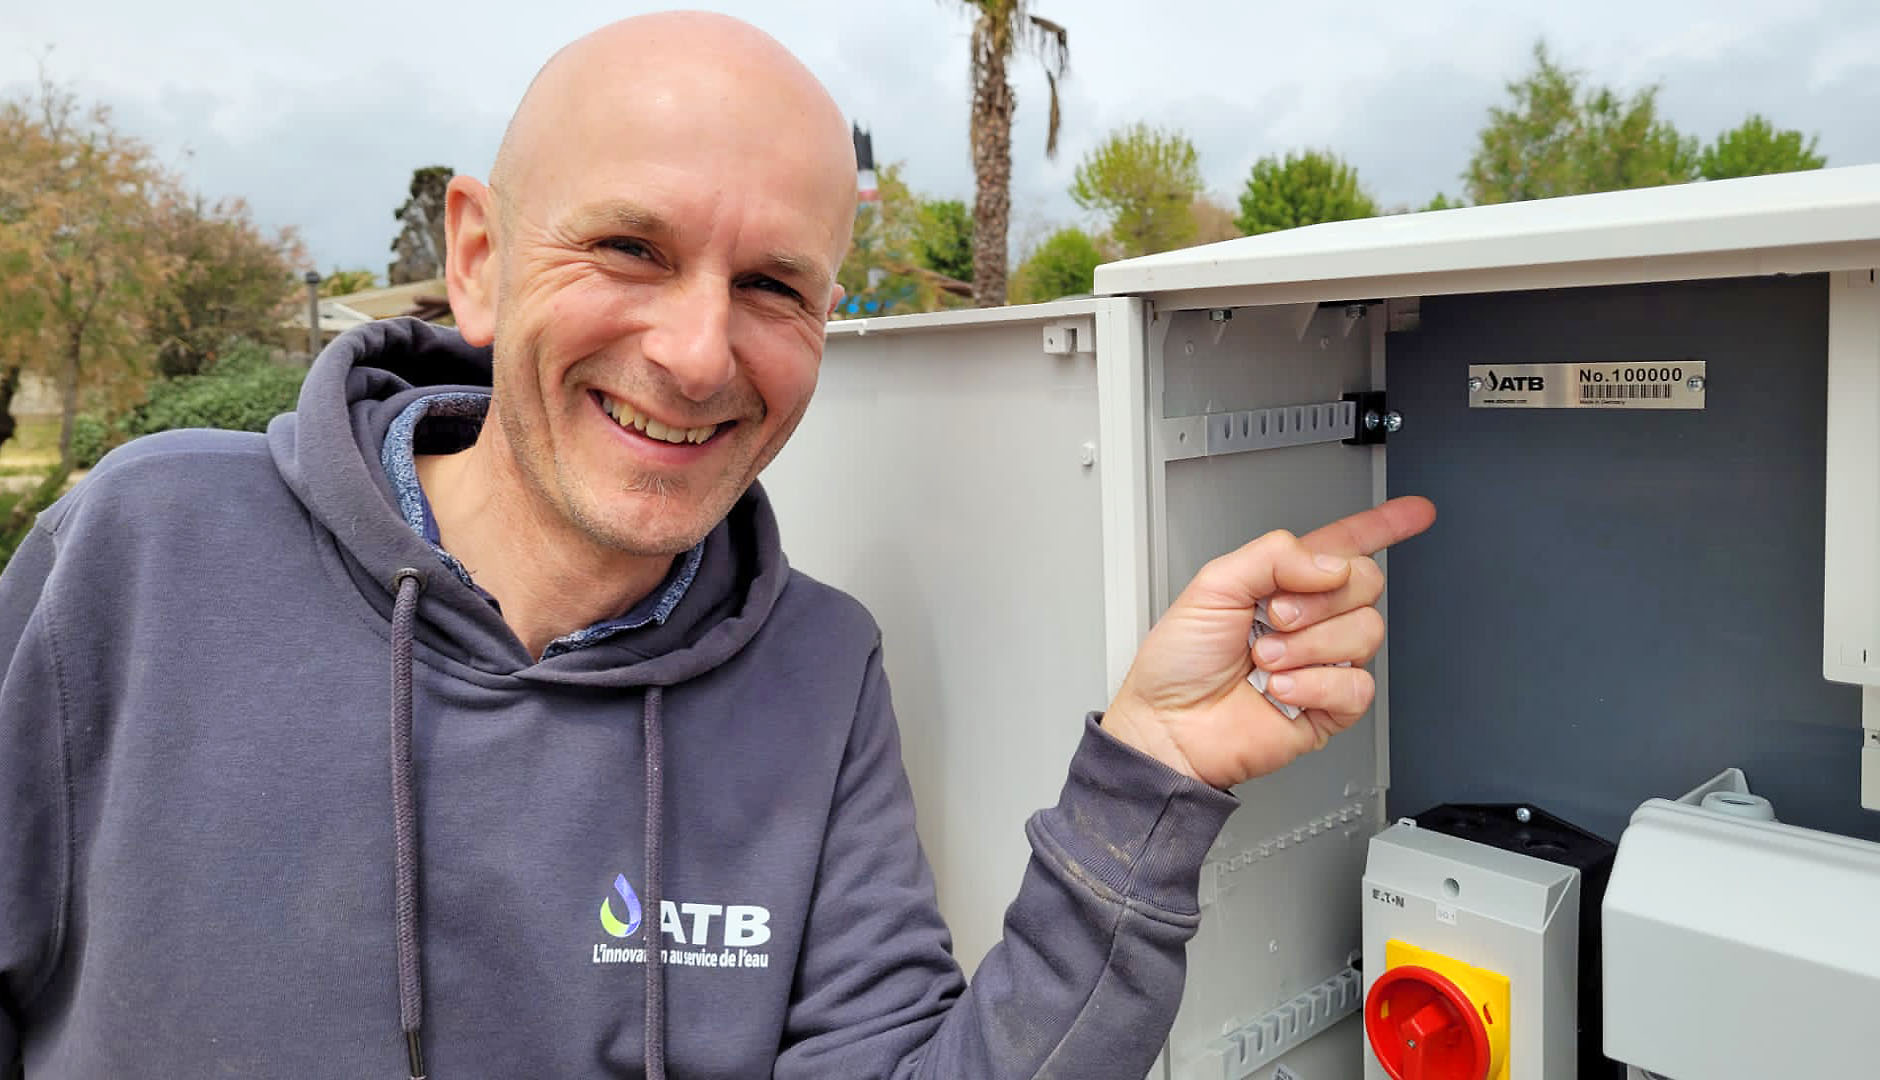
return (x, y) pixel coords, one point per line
(720, 936)
(613, 926)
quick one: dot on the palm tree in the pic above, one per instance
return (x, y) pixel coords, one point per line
(1001, 28)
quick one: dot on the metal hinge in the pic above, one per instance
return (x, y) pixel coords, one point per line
(1375, 420)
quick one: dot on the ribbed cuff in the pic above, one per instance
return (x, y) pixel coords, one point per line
(1134, 824)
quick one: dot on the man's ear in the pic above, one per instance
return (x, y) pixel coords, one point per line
(470, 264)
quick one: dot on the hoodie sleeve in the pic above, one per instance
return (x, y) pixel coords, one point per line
(1086, 978)
(33, 803)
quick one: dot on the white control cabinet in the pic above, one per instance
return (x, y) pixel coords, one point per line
(1016, 493)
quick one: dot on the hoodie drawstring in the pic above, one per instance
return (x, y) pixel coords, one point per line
(655, 1034)
(408, 583)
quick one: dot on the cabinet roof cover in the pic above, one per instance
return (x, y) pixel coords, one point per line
(1790, 223)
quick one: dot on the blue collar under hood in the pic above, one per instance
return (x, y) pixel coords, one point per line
(328, 453)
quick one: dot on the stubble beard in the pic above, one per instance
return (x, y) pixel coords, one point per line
(577, 499)
(556, 486)
(558, 491)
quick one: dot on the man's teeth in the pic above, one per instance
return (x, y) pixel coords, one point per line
(627, 417)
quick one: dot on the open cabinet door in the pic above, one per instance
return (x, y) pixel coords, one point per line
(1015, 493)
(1252, 431)
(976, 479)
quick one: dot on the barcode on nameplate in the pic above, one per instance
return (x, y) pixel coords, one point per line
(1625, 391)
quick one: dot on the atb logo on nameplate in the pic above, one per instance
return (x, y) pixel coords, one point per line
(1677, 384)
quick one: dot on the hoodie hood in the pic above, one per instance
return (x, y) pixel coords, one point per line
(328, 451)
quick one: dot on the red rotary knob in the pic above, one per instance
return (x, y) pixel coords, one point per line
(1423, 1027)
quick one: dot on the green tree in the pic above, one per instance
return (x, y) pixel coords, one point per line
(79, 235)
(22, 309)
(1064, 265)
(1442, 202)
(881, 273)
(1301, 189)
(419, 244)
(341, 282)
(1001, 29)
(1756, 148)
(1144, 180)
(228, 279)
(943, 238)
(1559, 136)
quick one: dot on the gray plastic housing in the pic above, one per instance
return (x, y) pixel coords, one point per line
(1738, 948)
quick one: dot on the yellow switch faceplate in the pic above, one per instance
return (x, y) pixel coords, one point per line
(1487, 990)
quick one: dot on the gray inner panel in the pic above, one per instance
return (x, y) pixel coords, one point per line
(1615, 605)
(1261, 357)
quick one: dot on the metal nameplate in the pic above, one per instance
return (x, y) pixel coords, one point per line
(1677, 384)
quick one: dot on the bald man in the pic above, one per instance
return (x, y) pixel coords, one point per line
(472, 723)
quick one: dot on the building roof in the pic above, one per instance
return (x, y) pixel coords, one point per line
(393, 300)
(428, 300)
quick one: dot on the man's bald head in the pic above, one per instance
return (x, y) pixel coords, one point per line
(719, 73)
(655, 256)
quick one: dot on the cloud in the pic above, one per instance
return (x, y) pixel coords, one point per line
(1795, 76)
(332, 157)
(320, 126)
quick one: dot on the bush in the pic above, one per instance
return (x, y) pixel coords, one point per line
(92, 438)
(243, 391)
(21, 511)
(1064, 265)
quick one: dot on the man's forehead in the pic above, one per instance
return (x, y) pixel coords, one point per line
(692, 86)
(700, 149)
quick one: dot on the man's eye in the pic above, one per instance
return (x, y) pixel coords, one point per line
(771, 284)
(626, 245)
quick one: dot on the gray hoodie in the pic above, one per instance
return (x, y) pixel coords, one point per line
(239, 838)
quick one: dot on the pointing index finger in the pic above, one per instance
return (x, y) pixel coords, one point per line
(1370, 531)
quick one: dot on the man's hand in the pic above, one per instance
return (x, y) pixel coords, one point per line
(1186, 700)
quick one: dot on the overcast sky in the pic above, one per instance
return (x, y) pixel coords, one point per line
(318, 113)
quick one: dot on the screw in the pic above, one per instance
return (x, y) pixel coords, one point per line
(1410, 1044)
(1219, 315)
(1354, 311)
(1393, 422)
(1695, 382)
(1475, 384)
(1523, 815)
(1372, 420)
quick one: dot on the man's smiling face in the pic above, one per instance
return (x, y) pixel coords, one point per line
(664, 259)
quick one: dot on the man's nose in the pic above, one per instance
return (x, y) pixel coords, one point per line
(691, 338)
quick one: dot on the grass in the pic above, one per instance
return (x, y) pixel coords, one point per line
(33, 447)
(26, 458)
